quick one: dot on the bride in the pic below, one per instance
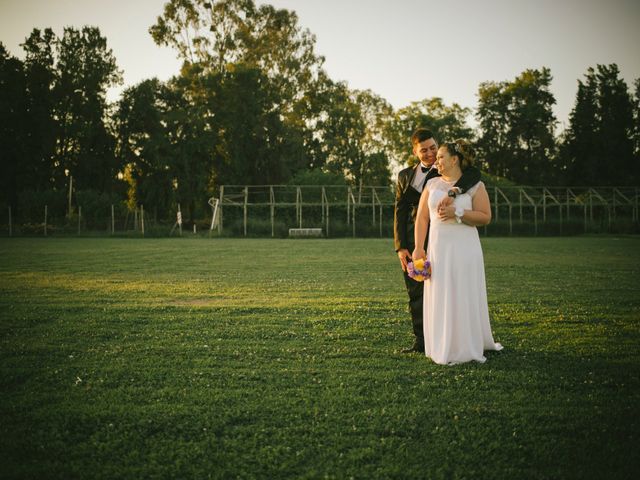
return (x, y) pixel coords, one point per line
(456, 315)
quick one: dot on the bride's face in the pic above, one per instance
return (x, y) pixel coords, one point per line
(443, 161)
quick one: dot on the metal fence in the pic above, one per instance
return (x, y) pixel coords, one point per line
(516, 210)
(272, 210)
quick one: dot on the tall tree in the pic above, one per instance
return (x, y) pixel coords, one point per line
(143, 146)
(493, 117)
(252, 48)
(517, 127)
(580, 151)
(636, 129)
(41, 76)
(598, 146)
(86, 68)
(446, 123)
(218, 33)
(13, 127)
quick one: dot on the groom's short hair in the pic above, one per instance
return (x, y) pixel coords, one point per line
(420, 135)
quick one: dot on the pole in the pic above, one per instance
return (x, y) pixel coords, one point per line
(10, 229)
(70, 189)
(45, 220)
(246, 201)
(79, 217)
(142, 218)
(220, 206)
(353, 218)
(113, 220)
(272, 206)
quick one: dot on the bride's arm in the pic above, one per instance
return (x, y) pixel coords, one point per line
(481, 213)
(422, 225)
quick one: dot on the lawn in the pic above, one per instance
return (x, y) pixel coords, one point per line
(228, 358)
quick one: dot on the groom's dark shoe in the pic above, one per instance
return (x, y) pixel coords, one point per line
(418, 347)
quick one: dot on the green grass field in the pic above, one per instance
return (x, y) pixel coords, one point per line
(226, 358)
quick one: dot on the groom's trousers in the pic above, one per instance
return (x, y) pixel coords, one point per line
(415, 291)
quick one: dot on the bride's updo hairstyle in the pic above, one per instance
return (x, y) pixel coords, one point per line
(461, 149)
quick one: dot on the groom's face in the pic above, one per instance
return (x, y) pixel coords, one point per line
(426, 151)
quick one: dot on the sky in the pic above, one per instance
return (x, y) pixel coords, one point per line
(402, 50)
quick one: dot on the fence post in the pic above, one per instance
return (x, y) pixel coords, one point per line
(348, 205)
(373, 207)
(79, 217)
(10, 228)
(353, 218)
(272, 207)
(299, 203)
(70, 190)
(142, 218)
(220, 211)
(560, 210)
(246, 201)
(520, 202)
(45, 219)
(113, 220)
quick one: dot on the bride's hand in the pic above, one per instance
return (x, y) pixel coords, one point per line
(418, 253)
(446, 212)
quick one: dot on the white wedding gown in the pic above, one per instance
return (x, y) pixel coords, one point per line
(456, 315)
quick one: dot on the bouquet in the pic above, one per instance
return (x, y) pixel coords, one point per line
(420, 270)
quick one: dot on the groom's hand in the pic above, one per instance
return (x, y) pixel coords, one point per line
(404, 256)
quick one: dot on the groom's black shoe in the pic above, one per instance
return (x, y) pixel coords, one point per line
(418, 347)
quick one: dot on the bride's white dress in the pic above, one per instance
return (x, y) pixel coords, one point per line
(456, 315)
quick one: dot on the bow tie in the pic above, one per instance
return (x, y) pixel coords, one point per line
(424, 169)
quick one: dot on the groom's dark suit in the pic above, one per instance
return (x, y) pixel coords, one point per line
(406, 208)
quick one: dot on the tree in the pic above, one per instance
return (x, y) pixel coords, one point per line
(532, 125)
(636, 129)
(493, 119)
(598, 146)
(143, 145)
(376, 113)
(580, 151)
(85, 146)
(13, 127)
(260, 52)
(215, 34)
(41, 77)
(446, 123)
(517, 127)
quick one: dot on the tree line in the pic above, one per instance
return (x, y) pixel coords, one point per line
(253, 105)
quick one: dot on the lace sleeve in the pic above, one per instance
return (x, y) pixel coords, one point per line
(472, 191)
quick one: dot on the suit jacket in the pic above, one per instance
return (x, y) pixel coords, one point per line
(407, 200)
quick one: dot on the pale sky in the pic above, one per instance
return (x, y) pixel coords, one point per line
(403, 50)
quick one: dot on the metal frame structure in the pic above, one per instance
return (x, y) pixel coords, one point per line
(519, 204)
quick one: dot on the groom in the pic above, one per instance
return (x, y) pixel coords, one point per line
(411, 182)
